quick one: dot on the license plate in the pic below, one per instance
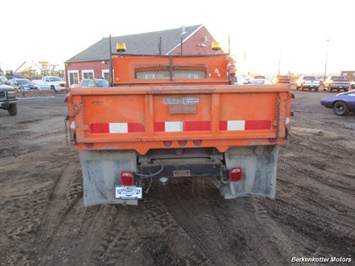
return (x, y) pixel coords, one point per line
(122, 192)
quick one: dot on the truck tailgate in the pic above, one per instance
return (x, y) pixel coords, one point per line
(141, 118)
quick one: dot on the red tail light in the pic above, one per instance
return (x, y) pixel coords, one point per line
(127, 178)
(272, 140)
(235, 174)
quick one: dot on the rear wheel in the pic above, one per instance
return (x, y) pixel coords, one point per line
(316, 88)
(12, 109)
(340, 108)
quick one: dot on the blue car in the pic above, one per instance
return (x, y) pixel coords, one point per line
(342, 103)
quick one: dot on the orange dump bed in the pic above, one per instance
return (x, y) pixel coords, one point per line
(161, 117)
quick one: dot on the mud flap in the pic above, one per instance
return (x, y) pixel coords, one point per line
(259, 166)
(101, 170)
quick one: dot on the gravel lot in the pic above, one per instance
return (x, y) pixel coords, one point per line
(43, 221)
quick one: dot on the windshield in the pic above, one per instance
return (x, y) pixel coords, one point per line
(24, 82)
(55, 79)
(309, 78)
(174, 72)
(339, 78)
(102, 83)
(195, 74)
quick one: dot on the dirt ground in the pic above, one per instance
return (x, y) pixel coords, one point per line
(43, 221)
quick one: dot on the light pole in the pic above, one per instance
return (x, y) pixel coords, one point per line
(326, 60)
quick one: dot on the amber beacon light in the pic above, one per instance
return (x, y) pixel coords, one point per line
(121, 47)
(216, 46)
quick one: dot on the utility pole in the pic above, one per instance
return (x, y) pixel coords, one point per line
(326, 60)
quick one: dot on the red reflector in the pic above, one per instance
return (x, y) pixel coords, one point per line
(197, 142)
(89, 145)
(127, 178)
(167, 143)
(182, 142)
(235, 174)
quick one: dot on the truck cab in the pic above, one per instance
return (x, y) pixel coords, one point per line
(8, 98)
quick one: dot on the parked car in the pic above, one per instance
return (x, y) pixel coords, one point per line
(53, 83)
(342, 103)
(94, 83)
(8, 98)
(307, 82)
(259, 77)
(22, 84)
(260, 81)
(281, 79)
(240, 80)
(336, 83)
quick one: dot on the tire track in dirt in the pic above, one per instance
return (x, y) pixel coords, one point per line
(204, 213)
(59, 206)
(335, 185)
(257, 229)
(312, 226)
(187, 221)
(322, 204)
(166, 243)
(117, 245)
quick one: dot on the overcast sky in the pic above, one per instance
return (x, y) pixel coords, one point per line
(265, 34)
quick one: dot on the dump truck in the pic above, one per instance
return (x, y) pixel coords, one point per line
(166, 117)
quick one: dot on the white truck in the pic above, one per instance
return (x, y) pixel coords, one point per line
(336, 83)
(308, 82)
(51, 83)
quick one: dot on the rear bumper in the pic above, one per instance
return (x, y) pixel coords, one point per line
(339, 86)
(310, 85)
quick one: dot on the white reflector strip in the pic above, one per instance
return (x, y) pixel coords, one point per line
(118, 127)
(235, 125)
(174, 126)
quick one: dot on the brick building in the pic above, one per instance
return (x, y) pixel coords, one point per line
(349, 75)
(94, 62)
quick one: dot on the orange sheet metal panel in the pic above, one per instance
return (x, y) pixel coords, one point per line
(142, 118)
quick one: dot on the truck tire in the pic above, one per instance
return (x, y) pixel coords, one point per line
(340, 108)
(53, 89)
(316, 88)
(12, 109)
